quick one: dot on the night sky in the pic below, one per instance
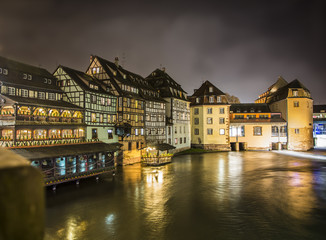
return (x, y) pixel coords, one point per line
(240, 46)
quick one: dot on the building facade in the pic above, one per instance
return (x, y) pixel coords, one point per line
(319, 118)
(296, 105)
(254, 127)
(209, 118)
(177, 109)
(88, 93)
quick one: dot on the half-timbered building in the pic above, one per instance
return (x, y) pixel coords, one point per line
(38, 124)
(177, 109)
(99, 104)
(125, 86)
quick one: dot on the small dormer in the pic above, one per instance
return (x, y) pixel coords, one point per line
(210, 89)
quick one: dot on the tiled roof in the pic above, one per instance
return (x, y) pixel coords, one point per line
(204, 90)
(16, 70)
(250, 108)
(319, 108)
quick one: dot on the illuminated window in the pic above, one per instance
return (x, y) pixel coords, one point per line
(11, 91)
(110, 134)
(93, 117)
(101, 118)
(41, 95)
(94, 133)
(218, 99)
(102, 101)
(274, 131)
(24, 93)
(176, 141)
(297, 131)
(197, 100)
(257, 131)
(136, 132)
(93, 98)
(109, 102)
(211, 99)
(210, 89)
(51, 96)
(295, 93)
(209, 120)
(222, 131)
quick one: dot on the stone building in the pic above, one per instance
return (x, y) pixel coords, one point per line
(295, 103)
(209, 118)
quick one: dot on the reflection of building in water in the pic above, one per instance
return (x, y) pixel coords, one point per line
(132, 173)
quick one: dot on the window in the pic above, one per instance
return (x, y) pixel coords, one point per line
(128, 102)
(274, 131)
(296, 130)
(41, 95)
(218, 99)
(136, 132)
(263, 116)
(283, 130)
(211, 99)
(222, 121)
(51, 96)
(175, 130)
(197, 100)
(239, 117)
(102, 101)
(49, 81)
(110, 134)
(221, 110)
(222, 131)
(209, 110)
(257, 131)
(101, 118)
(169, 140)
(11, 91)
(210, 89)
(175, 141)
(169, 130)
(24, 93)
(196, 111)
(209, 120)
(129, 146)
(185, 140)
(93, 99)
(209, 131)
(196, 121)
(251, 116)
(180, 140)
(24, 76)
(94, 133)
(109, 102)
(120, 101)
(296, 104)
(45, 80)
(5, 71)
(93, 117)
(142, 131)
(237, 131)
(196, 131)
(295, 93)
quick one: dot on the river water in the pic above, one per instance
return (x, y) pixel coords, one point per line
(227, 195)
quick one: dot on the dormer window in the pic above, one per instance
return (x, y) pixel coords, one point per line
(252, 110)
(25, 76)
(29, 77)
(45, 80)
(211, 99)
(295, 93)
(218, 99)
(210, 89)
(197, 100)
(5, 71)
(49, 81)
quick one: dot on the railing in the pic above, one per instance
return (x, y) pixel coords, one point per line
(55, 119)
(57, 174)
(156, 160)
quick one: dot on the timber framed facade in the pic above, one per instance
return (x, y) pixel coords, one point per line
(177, 110)
(99, 104)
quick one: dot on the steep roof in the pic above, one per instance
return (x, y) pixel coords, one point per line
(16, 71)
(166, 85)
(282, 93)
(83, 80)
(204, 90)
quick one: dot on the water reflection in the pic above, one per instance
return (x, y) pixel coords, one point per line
(249, 195)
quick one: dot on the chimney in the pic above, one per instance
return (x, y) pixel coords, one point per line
(91, 59)
(116, 61)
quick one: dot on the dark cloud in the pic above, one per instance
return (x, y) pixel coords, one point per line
(241, 46)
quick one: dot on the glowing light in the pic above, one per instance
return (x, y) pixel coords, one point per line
(109, 219)
(302, 155)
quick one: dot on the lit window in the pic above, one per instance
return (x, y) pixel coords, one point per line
(136, 132)
(51, 96)
(218, 99)
(5, 71)
(209, 120)
(175, 141)
(49, 81)
(142, 131)
(11, 91)
(210, 89)
(297, 131)
(274, 131)
(110, 134)
(41, 95)
(295, 93)
(24, 93)
(93, 117)
(109, 101)
(197, 100)
(25, 76)
(101, 118)
(222, 131)
(102, 101)
(211, 99)
(29, 77)
(45, 80)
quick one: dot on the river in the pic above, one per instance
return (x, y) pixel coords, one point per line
(227, 195)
